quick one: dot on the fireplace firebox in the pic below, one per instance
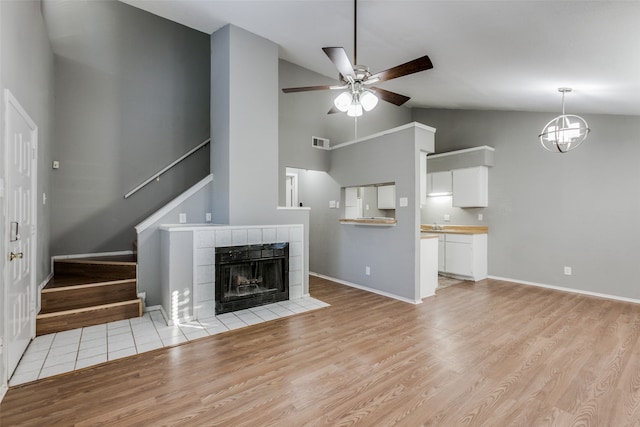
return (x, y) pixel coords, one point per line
(251, 275)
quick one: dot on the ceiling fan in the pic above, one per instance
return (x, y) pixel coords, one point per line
(357, 80)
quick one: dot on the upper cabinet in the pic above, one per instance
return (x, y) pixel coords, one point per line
(387, 197)
(463, 174)
(471, 187)
(439, 183)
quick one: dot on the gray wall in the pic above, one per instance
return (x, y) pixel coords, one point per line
(304, 114)
(26, 69)
(548, 210)
(121, 115)
(391, 252)
(149, 247)
(244, 155)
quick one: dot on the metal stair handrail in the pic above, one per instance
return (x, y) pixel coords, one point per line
(156, 175)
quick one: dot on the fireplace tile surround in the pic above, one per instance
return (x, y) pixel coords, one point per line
(191, 295)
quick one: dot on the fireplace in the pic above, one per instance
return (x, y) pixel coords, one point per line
(251, 275)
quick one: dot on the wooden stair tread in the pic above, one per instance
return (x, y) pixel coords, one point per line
(69, 281)
(115, 259)
(89, 291)
(87, 309)
(47, 323)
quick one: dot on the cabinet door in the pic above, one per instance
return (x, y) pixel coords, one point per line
(459, 258)
(471, 187)
(441, 265)
(439, 183)
(387, 197)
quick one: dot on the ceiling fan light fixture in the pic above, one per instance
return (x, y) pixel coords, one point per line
(355, 109)
(343, 101)
(368, 100)
(565, 132)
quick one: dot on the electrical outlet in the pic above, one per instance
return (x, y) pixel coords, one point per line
(366, 207)
(207, 217)
(367, 270)
(182, 218)
(332, 204)
(567, 271)
(404, 202)
(447, 217)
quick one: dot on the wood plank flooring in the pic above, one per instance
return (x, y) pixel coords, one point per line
(486, 354)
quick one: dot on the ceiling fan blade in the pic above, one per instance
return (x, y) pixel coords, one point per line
(309, 88)
(392, 97)
(333, 110)
(415, 66)
(339, 57)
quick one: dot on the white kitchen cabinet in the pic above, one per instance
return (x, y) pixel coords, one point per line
(465, 255)
(470, 187)
(441, 252)
(387, 197)
(428, 270)
(439, 183)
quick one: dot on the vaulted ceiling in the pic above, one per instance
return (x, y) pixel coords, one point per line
(502, 55)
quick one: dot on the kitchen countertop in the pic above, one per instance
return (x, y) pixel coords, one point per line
(369, 221)
(455, 229)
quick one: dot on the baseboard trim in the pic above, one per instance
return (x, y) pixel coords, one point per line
(40, 288)
(365, 288)
(569, 290)
(3, 391)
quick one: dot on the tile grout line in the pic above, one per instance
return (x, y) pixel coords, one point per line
(183, 337)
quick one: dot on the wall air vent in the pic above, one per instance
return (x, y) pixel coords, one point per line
(322, 143)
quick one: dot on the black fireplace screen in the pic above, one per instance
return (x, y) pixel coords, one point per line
(252, 275)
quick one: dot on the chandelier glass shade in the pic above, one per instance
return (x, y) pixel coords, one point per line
(564, 133)
(355, 102)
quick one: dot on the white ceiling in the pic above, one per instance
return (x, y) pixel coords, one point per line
(503, 55)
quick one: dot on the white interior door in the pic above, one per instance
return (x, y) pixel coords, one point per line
(292, 190)
(20, 149)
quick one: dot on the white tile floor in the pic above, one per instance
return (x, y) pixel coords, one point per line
(67, 351)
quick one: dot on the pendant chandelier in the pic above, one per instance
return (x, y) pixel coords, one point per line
(564, 133)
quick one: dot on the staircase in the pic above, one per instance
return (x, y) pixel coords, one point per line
(89, 291)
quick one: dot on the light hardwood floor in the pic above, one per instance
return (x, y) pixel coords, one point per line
(490, 353)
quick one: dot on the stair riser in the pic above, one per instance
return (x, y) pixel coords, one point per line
(88, 317)
(80, 297)
(95, 271)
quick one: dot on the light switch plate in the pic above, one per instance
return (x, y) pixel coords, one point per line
(55, 164)
(447, 217)
(182, 218)
(332, 204)
(404, 202)
(207, 217)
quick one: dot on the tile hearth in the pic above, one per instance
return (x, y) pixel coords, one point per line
(61, 352)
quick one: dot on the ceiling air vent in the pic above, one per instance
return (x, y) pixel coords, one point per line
(322, 143)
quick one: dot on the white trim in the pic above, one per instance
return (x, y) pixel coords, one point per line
(40, 287)
(157, 308)
(569, 290)
(157, 216)
(3, 390)
(365, 288)
(385, 132)
(92, 255)
(466, 150)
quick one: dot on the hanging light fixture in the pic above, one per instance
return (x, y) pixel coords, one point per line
(564, 133)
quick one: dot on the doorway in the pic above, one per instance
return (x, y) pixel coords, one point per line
(20, 204)
(291, 189)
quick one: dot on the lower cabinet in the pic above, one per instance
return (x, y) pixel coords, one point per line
(463, 255)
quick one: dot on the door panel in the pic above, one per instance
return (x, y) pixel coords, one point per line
(20, 149)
